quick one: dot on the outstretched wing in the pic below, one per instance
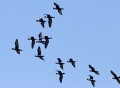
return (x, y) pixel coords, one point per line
(73, 63)
(60, 11)
(50, 22)
(118, 81)
(39, 50)
(91, 67)
(42, 23)
(60, 78)
(113, 74)
(18, 51)
(61, 65)
(16, 44)
(46, 43)
(93, 82)
(32, 44)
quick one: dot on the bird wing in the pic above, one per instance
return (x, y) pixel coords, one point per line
(39, 51)
(18, 51)
(73, 63)
(93, 82)
(118, 80)
(42, 58)
(113, 74)
(46, 43)
(16, 44)
(50, 22)
(42, 23)
(32, 44)
(60, 78)
(91, 67)
(60, 11)
(61, 65)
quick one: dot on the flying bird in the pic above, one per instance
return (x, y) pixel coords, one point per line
(115, 76)
(33, 41)
(39, 54)
(57, 7)
(92, 80)
(40, 38)
(60, 75)
(17, 47)
(49, 19)
(46, 41)
(72, 62)
(60, 63)
(93, 70)
(42, 22)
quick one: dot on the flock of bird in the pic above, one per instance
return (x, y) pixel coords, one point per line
(45, 41)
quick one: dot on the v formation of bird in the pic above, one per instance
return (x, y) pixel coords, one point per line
(45, 41)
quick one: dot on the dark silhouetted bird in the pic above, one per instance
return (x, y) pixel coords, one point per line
(92, 80)
(93, 70)
(57, 7)
(49, 19)
(39, 53)
(40, 38)
(17, 47)
(60, 75)
(42, 22)
(60, 63)
(72, 62)
(115, 76)
(33, 41)
(46, 41)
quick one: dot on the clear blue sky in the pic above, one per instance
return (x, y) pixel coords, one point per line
(88, 31)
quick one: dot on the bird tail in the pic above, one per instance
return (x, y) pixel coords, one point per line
(97, 72)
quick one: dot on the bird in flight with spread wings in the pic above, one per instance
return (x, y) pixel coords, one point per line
(72, 62)
(92, 80)
(49, 19)
(93, 70)
(60, 63)
(57, 7)
(115, 76)
(60, 75)
(17, 47)
(39, 53)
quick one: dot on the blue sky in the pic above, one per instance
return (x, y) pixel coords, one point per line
(88, 32)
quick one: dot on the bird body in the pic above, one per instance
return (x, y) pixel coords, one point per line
(115, 76)
(46, 41)
(40, 38)
(60, 63)
(57, 7)
(33, 41)
(17, 47)
(49, 19)
(93, 70)
(39, 53)
(60, 75)
(92, 80)
(41, 21)
(72, 62)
